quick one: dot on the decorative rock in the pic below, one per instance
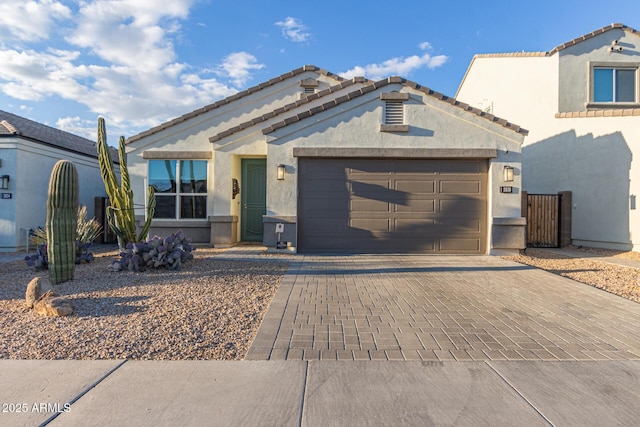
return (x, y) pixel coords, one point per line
(36, 288)
(51, 304)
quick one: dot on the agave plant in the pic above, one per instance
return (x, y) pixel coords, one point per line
(87, 230)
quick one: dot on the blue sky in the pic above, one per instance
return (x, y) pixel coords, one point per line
(138, 64)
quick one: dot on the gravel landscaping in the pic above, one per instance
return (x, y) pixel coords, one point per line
(619, 280)
(210, 309)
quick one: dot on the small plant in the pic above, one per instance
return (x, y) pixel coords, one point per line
(157, 252)
(87, 230)
(39, 261)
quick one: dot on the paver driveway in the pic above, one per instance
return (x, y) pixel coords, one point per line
(432, 308)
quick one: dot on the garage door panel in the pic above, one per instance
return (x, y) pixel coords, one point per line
(370, 224)
(427, 206)
(460, 187)
(313, 171)
(468, 206)
(371, 186)
(460, 245)
(416, 206)
(367, 205)
(416, 186)
(358, 167)
(415, 167)
(461, 224)
(326, 186)
(457, 168)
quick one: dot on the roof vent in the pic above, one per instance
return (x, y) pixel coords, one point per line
(393, 112)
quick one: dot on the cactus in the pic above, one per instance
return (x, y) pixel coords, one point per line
(120, 213)
(62, 207)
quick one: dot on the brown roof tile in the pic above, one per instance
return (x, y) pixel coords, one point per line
(408, 83)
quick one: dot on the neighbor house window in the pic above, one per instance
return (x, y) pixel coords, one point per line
(612, 84)
(181, 188)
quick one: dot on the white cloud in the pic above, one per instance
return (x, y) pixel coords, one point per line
(425, 46)
(30, 20)
(294, 30)
(117, 59)
(396, 67)
(237, 67)
(129, 32)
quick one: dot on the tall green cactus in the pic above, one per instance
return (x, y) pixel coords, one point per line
(62, 214)
(120, 213)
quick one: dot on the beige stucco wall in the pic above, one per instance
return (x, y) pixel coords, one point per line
(590, 156)
(575, 62)
(433, 124)
(193, 135)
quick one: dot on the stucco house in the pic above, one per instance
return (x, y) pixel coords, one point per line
(28, 151)
(333, 165)
(580, 102)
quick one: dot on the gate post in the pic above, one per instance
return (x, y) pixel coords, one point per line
(565, 218)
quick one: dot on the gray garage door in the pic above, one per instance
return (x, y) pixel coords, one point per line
(377, 206)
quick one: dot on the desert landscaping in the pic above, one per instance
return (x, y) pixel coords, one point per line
(210, 309)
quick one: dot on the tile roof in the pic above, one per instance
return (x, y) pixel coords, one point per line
(308, 98)
(13, 125)
(593, 34)
(563, 45)
(234, 97)
(395, 80)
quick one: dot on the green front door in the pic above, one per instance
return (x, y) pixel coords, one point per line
(254, 199)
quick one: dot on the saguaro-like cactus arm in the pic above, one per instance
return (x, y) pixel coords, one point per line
(121, 213)
(61, 224)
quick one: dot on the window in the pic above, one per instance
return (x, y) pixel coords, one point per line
(614, 84)
(181, 188)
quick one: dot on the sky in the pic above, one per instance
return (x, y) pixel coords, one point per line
(140, 63)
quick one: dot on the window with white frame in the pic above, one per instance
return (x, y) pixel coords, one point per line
(181, 188)
(614, 84)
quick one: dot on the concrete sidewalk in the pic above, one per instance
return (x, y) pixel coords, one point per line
(319, 393)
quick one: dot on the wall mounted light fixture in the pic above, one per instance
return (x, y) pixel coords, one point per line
(4, 182)
(281, 171)
(507, 174)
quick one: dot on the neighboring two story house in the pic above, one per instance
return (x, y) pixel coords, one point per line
(28, 151)
(333, 165)
(580, 102)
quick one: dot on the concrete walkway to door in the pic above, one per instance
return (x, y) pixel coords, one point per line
(438, 308)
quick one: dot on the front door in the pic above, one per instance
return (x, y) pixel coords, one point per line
(254, 199)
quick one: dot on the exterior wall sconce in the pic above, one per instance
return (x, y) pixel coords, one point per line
(4, 182)
(281, 171)
(507, 174)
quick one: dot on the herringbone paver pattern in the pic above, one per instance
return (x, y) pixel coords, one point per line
(432, 308)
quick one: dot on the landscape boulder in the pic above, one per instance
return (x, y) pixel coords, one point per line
(44, 300)
(37, 287)
(52, 304)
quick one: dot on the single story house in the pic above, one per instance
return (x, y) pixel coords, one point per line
(332, 165)
(28, 151)
(580, 102)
